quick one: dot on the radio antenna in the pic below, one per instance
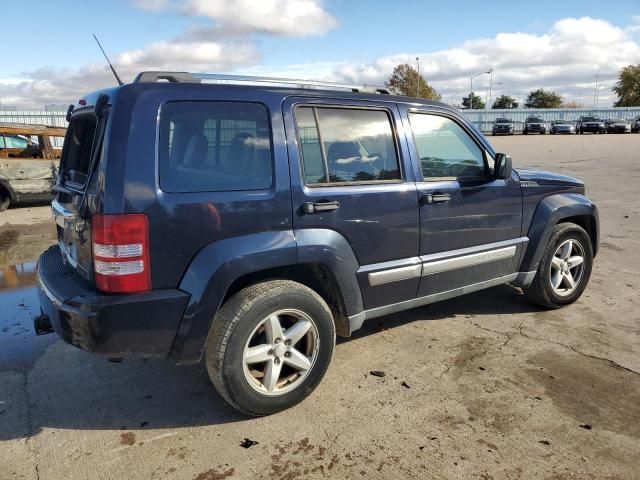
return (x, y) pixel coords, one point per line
(115, 74)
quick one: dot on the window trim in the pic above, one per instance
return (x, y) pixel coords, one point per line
(469, 132)
(161, 107)
(314, 107)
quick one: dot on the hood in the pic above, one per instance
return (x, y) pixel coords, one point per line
(542, 177)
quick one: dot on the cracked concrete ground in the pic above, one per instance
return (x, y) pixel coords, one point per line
(494, 388)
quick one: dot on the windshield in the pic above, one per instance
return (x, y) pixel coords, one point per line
(616, 120)
(535, 120)
(590, 119)
(503, 120)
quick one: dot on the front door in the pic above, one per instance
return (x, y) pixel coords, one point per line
(470, 221)
(351, 175)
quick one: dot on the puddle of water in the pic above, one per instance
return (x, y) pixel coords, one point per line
(17, 276)
(20, 247)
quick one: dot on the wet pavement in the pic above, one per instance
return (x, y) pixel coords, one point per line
(485, 386)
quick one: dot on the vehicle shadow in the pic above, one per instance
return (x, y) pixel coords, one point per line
(66, 388)
(500, 300)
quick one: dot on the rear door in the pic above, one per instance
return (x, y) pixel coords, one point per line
(470, 222)
(77, 188)
(350, 172)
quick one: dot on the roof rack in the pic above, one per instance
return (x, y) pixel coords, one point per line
(179, 77)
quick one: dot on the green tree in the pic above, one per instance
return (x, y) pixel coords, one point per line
(628, 87)
(505, 101)
(543, 99)
(404, 81)
(477, 102)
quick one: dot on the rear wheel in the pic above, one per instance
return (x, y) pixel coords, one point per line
(269, 347)
(565, 267)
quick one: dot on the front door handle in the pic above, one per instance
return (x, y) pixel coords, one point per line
(316, 207)
(430, 198)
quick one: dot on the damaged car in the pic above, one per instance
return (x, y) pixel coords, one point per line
(28, 162)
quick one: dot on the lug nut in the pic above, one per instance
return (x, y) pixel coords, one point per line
(277, 361)
(287, 354)
(287, 342)
(278, 340)
(270, 352)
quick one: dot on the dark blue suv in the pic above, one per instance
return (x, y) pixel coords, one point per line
(250, 224)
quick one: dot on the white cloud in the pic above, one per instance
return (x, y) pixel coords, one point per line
(64, 85)
(566, 58)
(296, 18)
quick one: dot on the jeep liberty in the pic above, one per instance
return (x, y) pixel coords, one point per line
(248, 221)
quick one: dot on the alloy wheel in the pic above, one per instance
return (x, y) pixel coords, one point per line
(567, 267)
(280, 352)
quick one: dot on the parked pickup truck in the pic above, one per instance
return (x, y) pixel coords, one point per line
(248, 221)
(28, 162)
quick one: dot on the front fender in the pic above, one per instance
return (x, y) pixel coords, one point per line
(212, 272)
(550, 211)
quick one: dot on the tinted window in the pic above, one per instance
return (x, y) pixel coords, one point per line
(214, 146)
(444, 148)
(352, 145)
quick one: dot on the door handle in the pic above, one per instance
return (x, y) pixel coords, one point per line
(430, 198)
(316, 207)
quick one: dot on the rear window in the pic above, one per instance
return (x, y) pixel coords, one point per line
(78, 147)
(214, 146)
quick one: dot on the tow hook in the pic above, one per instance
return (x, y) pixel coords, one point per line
(42, 324)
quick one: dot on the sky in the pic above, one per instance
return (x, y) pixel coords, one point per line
(558, 45)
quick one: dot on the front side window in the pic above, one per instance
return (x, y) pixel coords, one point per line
(214, 146)
(346, 145)
(445, 149)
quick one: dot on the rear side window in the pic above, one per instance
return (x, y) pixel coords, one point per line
(445, 149)
(214, 146)
(346, 145)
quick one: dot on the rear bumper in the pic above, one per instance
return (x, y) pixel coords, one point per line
(141, 324)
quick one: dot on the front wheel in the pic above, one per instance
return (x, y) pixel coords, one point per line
(564, 269)
(5, 201)
(269, 347)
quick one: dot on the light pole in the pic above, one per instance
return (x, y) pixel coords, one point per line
(418, 83)
(471, 94)
(488, 99)
(595, 94)
(490, 95)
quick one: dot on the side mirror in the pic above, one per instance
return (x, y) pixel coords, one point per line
(502, 167)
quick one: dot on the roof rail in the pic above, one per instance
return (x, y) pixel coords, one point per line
(179, 77)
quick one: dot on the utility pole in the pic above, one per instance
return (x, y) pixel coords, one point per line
(418, 83)
(595, 94)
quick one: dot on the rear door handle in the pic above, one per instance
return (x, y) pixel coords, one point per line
(430, 198)
(316, 207)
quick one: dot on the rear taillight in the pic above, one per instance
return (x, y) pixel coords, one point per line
(121, 253)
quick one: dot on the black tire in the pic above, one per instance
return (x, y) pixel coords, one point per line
(524, 132)
(235, 323)
(540, 291)
(5, 200)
